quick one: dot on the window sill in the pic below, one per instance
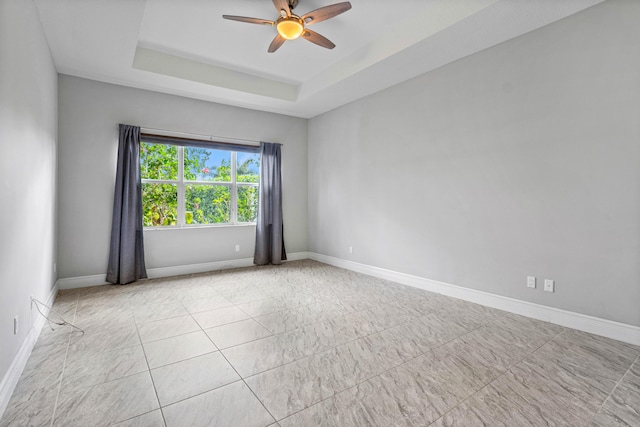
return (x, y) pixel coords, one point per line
(198, 226)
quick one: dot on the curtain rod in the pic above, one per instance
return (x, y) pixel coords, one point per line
(166, 132)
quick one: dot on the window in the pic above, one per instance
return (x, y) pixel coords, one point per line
(186, 185)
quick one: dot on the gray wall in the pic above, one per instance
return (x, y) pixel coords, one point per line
(89, 115)
(28, 133)
(523, 159)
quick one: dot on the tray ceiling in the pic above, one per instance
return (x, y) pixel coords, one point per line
(186, 48)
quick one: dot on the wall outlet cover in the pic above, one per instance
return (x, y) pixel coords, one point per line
(549, 285)
(531, 282)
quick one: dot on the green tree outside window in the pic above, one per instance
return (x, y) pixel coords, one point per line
(211, 189)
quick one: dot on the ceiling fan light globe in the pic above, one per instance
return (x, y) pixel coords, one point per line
(290, 28)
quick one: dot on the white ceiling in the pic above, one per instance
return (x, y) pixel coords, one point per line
(184, 47)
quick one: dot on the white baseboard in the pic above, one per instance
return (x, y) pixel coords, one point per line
(178, 270)
(82, 281)
(8, 383)
(607, 328)
(297, 256)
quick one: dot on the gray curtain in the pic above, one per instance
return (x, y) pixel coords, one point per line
(126, 255)
(269, 230)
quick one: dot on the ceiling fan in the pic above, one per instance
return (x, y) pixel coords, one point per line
(291, 26)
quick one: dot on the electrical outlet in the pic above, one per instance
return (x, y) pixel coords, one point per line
(15, 325)
(549, 285)
(350, 249)
(237, 248)
(531, 282)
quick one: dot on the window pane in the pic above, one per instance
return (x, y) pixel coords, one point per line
(201, 164)
(248, 167)
(158, 161)
(207, 204)
(247, 203)
(159, 204)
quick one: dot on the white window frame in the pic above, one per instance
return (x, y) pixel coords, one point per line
(181, 184)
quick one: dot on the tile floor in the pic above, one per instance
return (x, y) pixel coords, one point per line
(306, 344)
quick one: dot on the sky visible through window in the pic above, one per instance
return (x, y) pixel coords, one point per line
(254, 167)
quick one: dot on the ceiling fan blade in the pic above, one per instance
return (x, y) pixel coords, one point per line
(325, 13)
(276, 43)
(316, 38)
(249, 20)
(282, 5)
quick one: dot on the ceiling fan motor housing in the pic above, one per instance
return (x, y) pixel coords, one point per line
(292, 3)
(290, 27)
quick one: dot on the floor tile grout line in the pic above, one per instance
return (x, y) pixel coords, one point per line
(414, 358)
(223, 324)
(274, 312)
(180, 335)
(136, 416)
(243, 343)
(566, 330)
(365, 380)
(636, 360)
(386, 370)
(525, 357)
(356, 339)
(181, 360)
(242, 379)
(84, 388)
(271, 334)
(64, 365)
(239, 379)
(191, 358)
(325, 349)
(185, 333)
(153, 383)
(201, 328)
